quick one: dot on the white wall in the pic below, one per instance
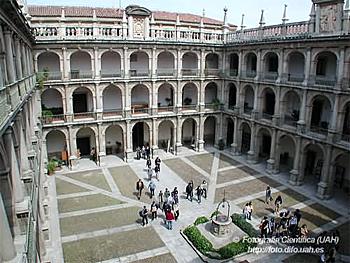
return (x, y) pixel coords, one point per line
(51, 98)
(189, 61)
(141, 63)
(139, 95)
(80, 61)
(110, 62)
(50, 61)
(112, 98)
(165, 61)
(190, 91)
(55, 142)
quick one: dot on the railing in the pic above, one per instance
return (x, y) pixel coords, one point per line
(85, 115)
(110, 32)
(249, 74)
(81, 74)
(213, 106)
(267, 116)
(140, 110)
(166, 109)
(166, 72)
(345, 137)
(296, 78)
(53, 118)
(233, 72)
(211, 71)
(109, 74)
(289, 120)
(189, 107)
(270, 76)
(319, 129)
(325, 80)
(5, 105)
(112, 113)
(247, 109)
(189, 72)
(80, 32)
(52, 75)
(139, 73)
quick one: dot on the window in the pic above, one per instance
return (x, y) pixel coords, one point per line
(321, 66)
(133, 58)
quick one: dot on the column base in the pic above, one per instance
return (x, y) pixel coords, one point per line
(200, 146)
(129, 155)
(323, 191)
(154, 150)
(301, 127)
(234, 149)
(251, 157)
(293, 178)
(178, 147)
(270, 166)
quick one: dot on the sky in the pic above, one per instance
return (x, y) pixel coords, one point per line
(297, 10)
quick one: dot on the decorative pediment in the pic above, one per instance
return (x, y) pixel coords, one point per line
(135, 10)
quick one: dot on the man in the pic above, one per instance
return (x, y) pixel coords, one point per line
(148, 163)
(166, 195)
(199, 193)
(139, 188)
(297, 214)
(144, 215)
(152, 187)
(138, 153)
(189, 191)
(157, 162)
(268, 196)
(157, 170)
(154, 209)
(204, 187)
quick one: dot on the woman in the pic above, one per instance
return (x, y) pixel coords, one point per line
(169, 217)
(304, 232)
(176, 211)
(278, 203)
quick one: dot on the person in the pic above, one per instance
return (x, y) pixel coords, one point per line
(148, 163)
(264, 224)
(293, 226)
(93, 155)
(268, 195)
(169, 216)
(176, 211)
(189, 191)
(304, 232)
(160, 199)
(171, 200)
(245, 211)
(250, 210)
(272, 226)
(154, 208)
(204, 186)
(199, 193)
(175, 194)
(166, 195)
(143, 152)
(166, 207)
(157, 162)
(148, 152)
(297, 214)
(144, 215)
(157, 170)
(139, 188)
(78, 153)
(152, 187)
(149, 173)
(138, 153)
(278, 203)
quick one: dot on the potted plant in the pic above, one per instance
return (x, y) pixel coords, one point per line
(47, 116)
(42, 77)
(51, 167)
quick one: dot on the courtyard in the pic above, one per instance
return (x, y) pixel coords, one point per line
(97, 219)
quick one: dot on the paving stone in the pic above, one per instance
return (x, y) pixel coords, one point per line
(92, 177)
(226, 161)
(344, 242)
(166, 258)
(230, 175)
(204, 161)
(63, 187)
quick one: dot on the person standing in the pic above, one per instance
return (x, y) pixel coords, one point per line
(304, 232)
(250, 210)
(149, 173)
(148, 152)
(152, 188)
(204, 187)
(143, 152)
(157, 162)
(169, 216)
(148, 163)
(297, 214)
(189, 191)
(245, 211)
(160, 199)
(144, 215)
(176, 211)
(268, 195)
(139, 188)
(157, 171)
(264, 225)
(199, 193)
(154, 209)
(166, 195)
(138, 153)
(175, 194)
(278, 203)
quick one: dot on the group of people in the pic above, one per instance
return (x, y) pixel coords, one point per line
(144, 152)
(157, 162)
(200, 191)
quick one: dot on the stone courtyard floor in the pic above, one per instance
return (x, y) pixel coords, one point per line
(96, 208)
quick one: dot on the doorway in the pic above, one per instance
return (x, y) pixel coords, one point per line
(138, 135)
(83, 144)
(79, 103)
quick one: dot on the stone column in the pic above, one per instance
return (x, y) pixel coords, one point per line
(240, 64)
(179, 63)
(127, 103)
(24, 61)
(72, 141)
(271, 161)
(277, 114)
(96, 71)
(340, 73)
(66, 64)
(200, 132)
(323, 185)
(202, 63)
(301, 122)
(332, 132)
(25, 166)
(307, 69)
(234, 145)
(126, 63)
(99, 101)
(7, 247)
(294, 174)
(18, 58)
(155, 135)
(154, 63)
(10, 66)
(258, 65)
(201, 95)
(153, 98)
(178, 96)
(280, 67)
(178, 135)
(256, 108)
(17, 184)
(101, 140)
(129, 152)
(251, 152)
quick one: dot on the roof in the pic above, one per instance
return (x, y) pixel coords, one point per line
(77, 11)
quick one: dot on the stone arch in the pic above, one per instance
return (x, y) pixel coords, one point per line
(112, 99)
(189, 63)
(248, 95)
(166, 96)
(114, 139)
(233, 63)
(166, 134)
(290, 107)
(296, 66)
(86, 140)
(245, 137)
(189, 94)
(230, 127)
(139, 63)
(271, 65)
(320, 113)
(80, 64)
(83, 101)
(56, 143)
(326, 67)
(268, 98)
(49, 63)
(232, 95)
(141, 134)
(165, 63)
(312, 162)
(212, 61)
(140, 98)
(110, 64)
(286, 152)
(189, 132)
(52, 100)
(209, 133)
(210, 93)
(263, 142)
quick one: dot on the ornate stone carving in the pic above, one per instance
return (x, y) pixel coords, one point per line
(139, 27)
(328, 18)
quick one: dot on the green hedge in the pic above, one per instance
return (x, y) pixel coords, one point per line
(234, 249)
(198, 240)
(201, 220)
(239, 221)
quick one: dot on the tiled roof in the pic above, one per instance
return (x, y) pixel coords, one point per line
(75, 11)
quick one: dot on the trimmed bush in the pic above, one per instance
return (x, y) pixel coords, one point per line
(234, 249)
(201, 220)
(198, 240)
(239, 221)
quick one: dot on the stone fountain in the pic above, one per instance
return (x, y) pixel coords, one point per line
(221, 224)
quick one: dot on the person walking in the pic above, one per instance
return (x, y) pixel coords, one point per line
(160, 200)
(169, 216)
(148, 163)
(138, 153)
(148, 152)
(154, 208)
(297, 214)
(189, 191)
(293, 226)
(139, 188)
(149, 173)
(204, 186)
(144, 215)
(175, 194)
(166, 195)
(268, 195)
(264, 225)
(304, 232)
(278, 203)
(143, 152)
(250, 210)
(199, 193)
(176, 211)
(157, 171)
(157, 162)
(152, 188)
(245, 211)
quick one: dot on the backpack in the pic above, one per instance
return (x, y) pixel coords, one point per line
(140, 213)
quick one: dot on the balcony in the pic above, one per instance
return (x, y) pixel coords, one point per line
(84, 115)
(290, 120)
(345, 138)
(214, 106)
(166, 72)
(53, 118)
(320, 129)
(166, 109)
(139, 73)
(108, 74)
(112, 113)
(250, 74)
(247, 109)
(233, 73)
(77, 74)
(190, 107)
(211, 72)
(189, 72)
(140, 109)
(267, 116)
(51, 75)
(325, 81)
(270, 76)
(295, 78)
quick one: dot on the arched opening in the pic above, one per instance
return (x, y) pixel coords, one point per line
(140, 135)
(110, 65)
(245, 140)
(271, 66)
(326, 68)
(290, 108)
(234, 64)
(139, 99)
(189, 130)
(114, 140)
(80, 65)
(86, 141)
(166, 135)
(165, 64)
(346, 123)
(51, 106)
(263, 144)
(211, 64)
(250, 65)
(210, 97)
(83, 106)
(209, 131)
(296, 65)
(49, 64)
(232, 94)
(320, 114)
(139, 64)
(341, 176)
(112, 101)
(230, 128)
(56, 145)
(189, 96)
(313, 164)
(248, 99)
(268, 107)
(286, 153)
(189, 64)
(165, 97)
